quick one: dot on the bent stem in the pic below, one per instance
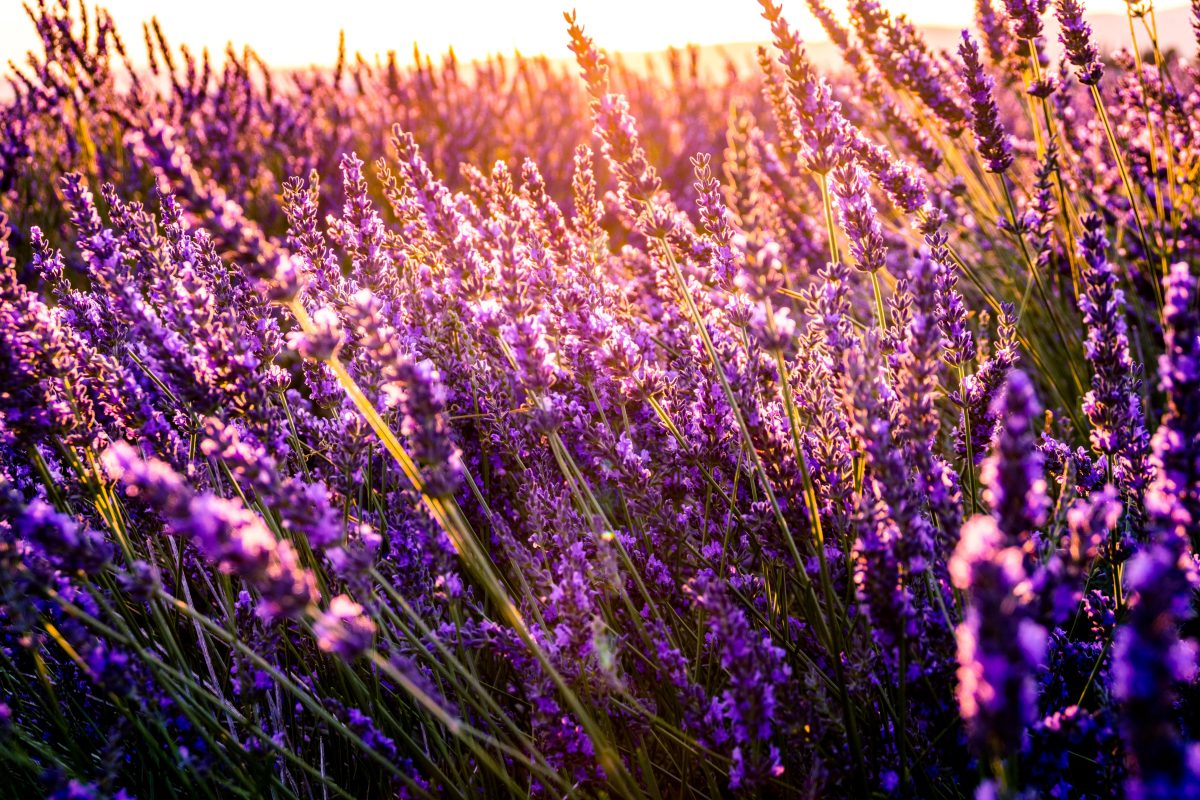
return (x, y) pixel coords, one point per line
(450, 518)
(831, 640)
(1123, 170)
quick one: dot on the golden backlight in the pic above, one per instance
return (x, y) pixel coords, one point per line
(303, 32)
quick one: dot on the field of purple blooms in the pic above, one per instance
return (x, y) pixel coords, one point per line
(428, 429)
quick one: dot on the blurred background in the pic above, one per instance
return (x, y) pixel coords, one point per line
(291, 33)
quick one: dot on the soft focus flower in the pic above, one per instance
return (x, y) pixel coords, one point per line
(344, 630)
(999, 645)
(323, 341)
(1013, 474)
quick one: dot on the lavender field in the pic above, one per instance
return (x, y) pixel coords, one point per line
(417, 428)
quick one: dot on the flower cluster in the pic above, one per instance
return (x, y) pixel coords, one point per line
(691, 429)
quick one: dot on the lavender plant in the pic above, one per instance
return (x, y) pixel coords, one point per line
(649, 432)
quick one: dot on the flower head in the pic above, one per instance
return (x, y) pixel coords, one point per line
(344, 629)
(1076, 37)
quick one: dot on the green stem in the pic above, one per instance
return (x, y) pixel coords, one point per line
(1127, 182)
(450, 518)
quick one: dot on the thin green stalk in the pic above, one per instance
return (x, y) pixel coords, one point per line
(1042, 293)
(1123, 170)
(450, 518)
(880, 315)
(830, 227)
(768, 490)
(157, 663)
(969, 466)
(303, 697)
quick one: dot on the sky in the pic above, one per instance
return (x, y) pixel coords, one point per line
(300, 32)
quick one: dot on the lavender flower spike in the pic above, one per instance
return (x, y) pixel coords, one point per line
(223, 530)
(856, 213)
(990, 136)
(999, 644)
(1150, 657)
(1150, 660)
(1114, 404)
(415, 387)
(1076, 37)
(1026, 17)
(1173, 497)
(344, 629)
(1013, 475)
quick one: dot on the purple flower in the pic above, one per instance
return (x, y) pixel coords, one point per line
(951, 310)
(414, 387)
(999, 644)
(996, 36)
(1076, 37)
(1113, 405)
(879, 578)
(979, 390)
(306, 509)
(870, 407)
(1013, 475)
(1173, 496)
(1026, 17)
(747, 709)
(75, 789)
(61, 539)
(344, 629)
(904, 59)
(324, 341)
(241, 453)
(773, 332)
(1089, 472)
(856, 213)
(225, 531)
(715, 216)
(990, 137)
(1149, 662)
(918, 368)
(822, 128)
(1151, 659)
(282, 279)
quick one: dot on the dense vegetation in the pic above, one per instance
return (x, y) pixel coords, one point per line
(821, 435)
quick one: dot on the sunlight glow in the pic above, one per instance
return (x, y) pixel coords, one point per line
(300, 33)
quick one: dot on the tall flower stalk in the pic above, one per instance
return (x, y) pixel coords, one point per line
(524, 429)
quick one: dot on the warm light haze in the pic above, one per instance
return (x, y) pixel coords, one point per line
(300, 33)
(680, 400)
